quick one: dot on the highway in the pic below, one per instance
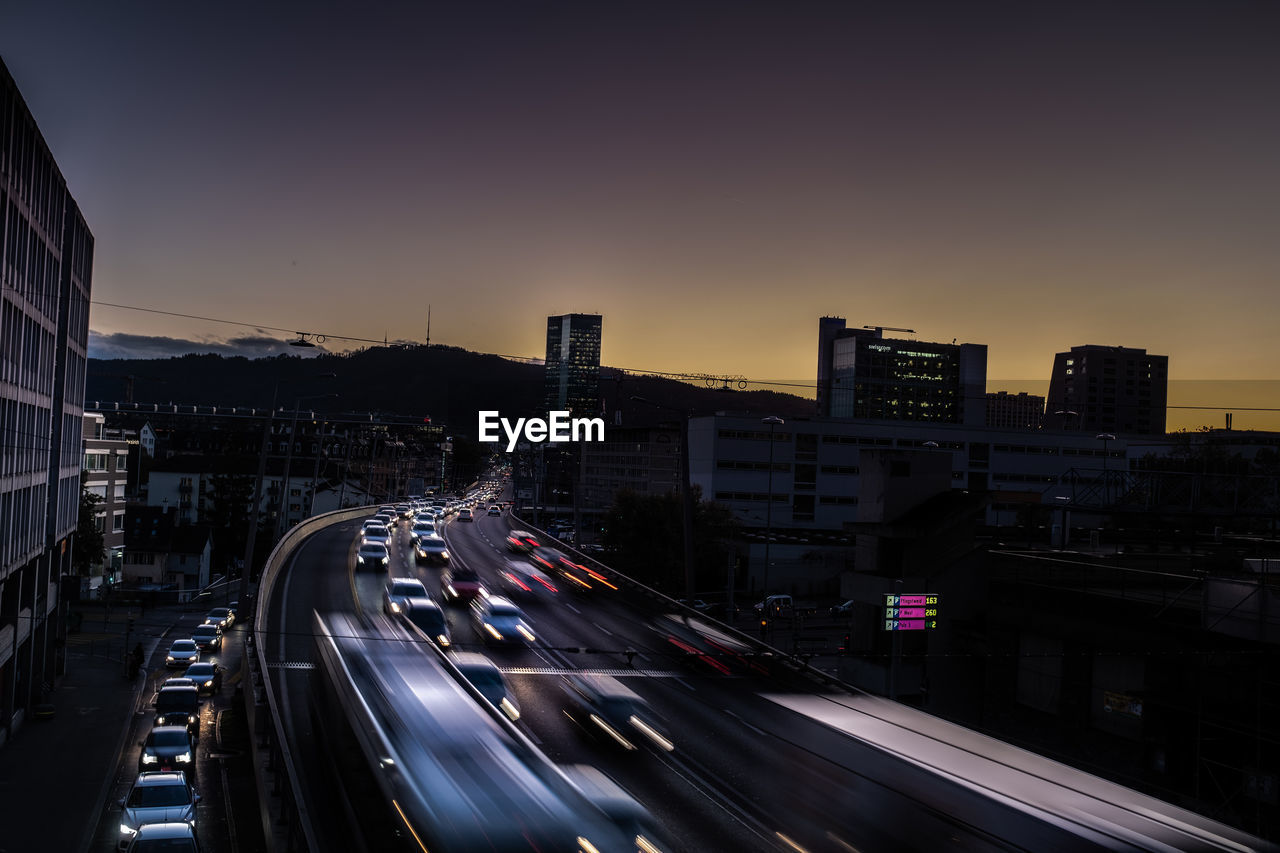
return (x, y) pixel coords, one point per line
(759, 762)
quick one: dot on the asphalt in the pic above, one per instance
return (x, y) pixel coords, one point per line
(56, 773)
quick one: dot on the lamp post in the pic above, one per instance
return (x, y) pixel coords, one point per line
(288, 461)
(686, 489)
(1105, 437)
(1067, 413)
(773, 422)
(255, 508)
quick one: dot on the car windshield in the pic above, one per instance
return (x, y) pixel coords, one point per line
(407, 588)
(164, 845)
(376, 530)
(205, 631)
(374, 550)
(465, 575)
(158, 796)
(176, 699)
(159, 737)
(508, 611)
(220, 612)
(184, 646)
(199, 670)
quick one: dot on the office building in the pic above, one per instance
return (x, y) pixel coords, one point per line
(1014, 411)
(107, 468)
(46, 260)
(1102, 389)
(863, 374)
(573, 364)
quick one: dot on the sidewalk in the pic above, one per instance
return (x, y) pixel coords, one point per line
(54, 773)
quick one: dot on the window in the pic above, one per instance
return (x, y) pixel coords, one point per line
(122, 462)
(95, 461)
(117, 522)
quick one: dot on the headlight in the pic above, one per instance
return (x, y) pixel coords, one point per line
(492, 631)
(208, 682)
(395, 608)
(170, 658)
(444, 555)
(193, 718)
(443, 641)
(184, 757)
(125, 829)
(149, 759)
(359, 559)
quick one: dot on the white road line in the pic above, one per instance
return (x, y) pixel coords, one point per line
(602, 628)
(226, 801)
(684, 683)
(574, 609)
(745, 723)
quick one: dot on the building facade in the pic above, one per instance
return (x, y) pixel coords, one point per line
(870, 376)
(107, 471)
(1108, 389)
(1014, 411)
(46, 260)
(573, 364)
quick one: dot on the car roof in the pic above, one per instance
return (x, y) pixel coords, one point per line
(183, 640)
(420, 602)
(161, 777)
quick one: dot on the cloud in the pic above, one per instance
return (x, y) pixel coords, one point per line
(261, 345)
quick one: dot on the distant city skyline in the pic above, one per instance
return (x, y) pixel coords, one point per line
(710, 177)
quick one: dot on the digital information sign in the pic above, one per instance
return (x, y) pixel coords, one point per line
(910, 612)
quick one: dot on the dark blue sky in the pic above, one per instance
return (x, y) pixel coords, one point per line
(709, 176)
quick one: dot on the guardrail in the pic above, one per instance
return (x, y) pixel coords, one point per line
(293, 815)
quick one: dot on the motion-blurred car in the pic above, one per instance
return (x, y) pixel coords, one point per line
(521, 541)
(578, 575)
(206, 677)
(399, 589)
(167, 748)
(499, 621)
(459, 583)
(525, 581)
(429, 618)
(605, 707)
(430, 549)
(489, 680)
(372, 555)
(157, 798)
(182, 653)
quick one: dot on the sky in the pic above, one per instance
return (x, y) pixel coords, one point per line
(712, 177)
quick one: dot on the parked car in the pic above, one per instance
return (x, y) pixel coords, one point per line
(167, 748)
(182, 653)
(157, 799)
(206, 677)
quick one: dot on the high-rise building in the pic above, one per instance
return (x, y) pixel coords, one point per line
(573, 364)
(46, 258)
(869, 376)
(1014, 411)
(1108, 389)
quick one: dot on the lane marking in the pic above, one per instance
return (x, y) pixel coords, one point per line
(743, 722)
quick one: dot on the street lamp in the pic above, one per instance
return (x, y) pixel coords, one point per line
(687, 490)
(255, 508)
(1068, 413)
(1105, 437)
(773, 422)
(288, 460)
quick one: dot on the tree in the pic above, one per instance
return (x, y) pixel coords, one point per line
(231, 496)
(89, 545)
